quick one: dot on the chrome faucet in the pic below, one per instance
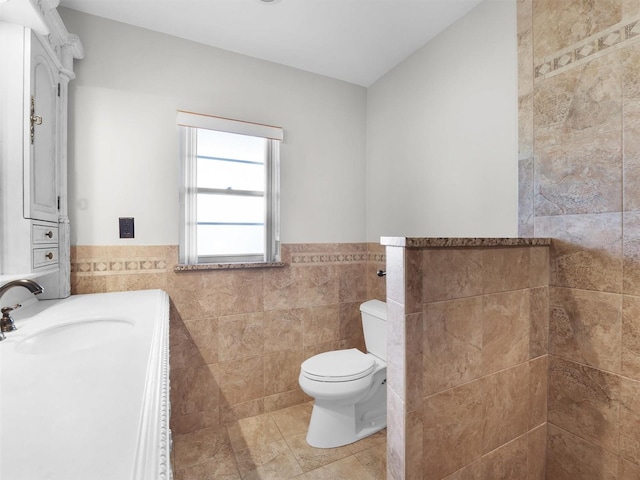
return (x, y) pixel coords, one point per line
(6, 323)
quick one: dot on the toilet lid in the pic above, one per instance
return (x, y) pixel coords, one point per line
(338, 366)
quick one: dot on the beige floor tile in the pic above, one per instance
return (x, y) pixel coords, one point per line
(348, 468)
(374, 460)
(272, 461)
(293, 420)
(253, 431)
(311, 458)
(368, 442)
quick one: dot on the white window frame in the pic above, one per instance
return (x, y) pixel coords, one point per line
(188, 124)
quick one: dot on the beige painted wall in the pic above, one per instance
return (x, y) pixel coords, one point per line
(123, 145)
(442, 134)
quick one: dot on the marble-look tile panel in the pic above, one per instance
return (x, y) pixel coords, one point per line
(631, 252)
(204, 334)
(414, 362)
(537, 453)
(506, 402)
(396, 348)
(525, 198)
(300, 286)
(539, 266)
(631, 154)
(395, 274)
(193, 390)
(538, 390)
(507, 462)
(352, 287)
(453, 422)
(453, 273)
(584, 401)
(240, 336)
(283, 329)
(506, 325)
(473, 471)
(505, 269)
(414, 446)
(560, 25)
(569, 457)
(281, 371)
(414, 279)
(525, 123)
(539, 321)
(630, 419)
(628, 470)
(579, 176)
(586, 252)
(396, 429)
(239, 380)
(452, 343)
(585, 327)
(322, 325)
(631, 337)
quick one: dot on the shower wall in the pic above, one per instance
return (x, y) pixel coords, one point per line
(579, 168)
(238, 337)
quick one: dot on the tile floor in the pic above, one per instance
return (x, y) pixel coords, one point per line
(273, 446)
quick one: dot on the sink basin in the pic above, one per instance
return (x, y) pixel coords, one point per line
(73, 336)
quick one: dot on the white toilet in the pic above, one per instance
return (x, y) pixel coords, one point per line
(349, 387)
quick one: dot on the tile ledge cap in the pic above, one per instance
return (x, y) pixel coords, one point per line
(227, 266)
(445, 242)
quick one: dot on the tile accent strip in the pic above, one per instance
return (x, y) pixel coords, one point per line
(601, 43)
(118, 266)
(315, 258)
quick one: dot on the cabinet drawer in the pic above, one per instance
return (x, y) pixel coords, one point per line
(45, 256)
(44, 234)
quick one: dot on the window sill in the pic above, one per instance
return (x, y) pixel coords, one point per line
(227, 266)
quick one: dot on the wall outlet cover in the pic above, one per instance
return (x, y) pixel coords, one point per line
(126, 227)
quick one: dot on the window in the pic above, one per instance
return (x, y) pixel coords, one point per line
(229, 193)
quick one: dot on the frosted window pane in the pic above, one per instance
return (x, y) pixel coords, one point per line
(230, 240)
(230, 209)
(230, 175)
(231, 145)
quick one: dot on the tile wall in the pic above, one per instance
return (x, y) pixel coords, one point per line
(238, 337)
(467, 363)
(579, 164)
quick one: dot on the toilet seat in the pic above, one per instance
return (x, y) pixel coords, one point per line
(338, 366)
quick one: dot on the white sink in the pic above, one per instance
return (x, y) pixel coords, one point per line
(73, 336)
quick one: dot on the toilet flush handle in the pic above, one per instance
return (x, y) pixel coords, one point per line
(381, 273)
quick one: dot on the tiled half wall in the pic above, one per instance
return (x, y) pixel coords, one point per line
(579, 144)
(467, 367)
(238, 337)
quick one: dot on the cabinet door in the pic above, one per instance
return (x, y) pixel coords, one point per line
(41, 183)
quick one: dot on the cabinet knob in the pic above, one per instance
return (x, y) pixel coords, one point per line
(49, 234)
(49, 256)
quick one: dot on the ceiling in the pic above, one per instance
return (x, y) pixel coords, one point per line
(357, 41)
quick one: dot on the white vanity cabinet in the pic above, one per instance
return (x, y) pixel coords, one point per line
(37, 56)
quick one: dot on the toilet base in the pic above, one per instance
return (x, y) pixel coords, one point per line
(334, 425)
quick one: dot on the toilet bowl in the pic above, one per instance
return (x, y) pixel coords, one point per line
(349, 386)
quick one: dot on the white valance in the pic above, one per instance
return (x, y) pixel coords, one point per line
(210, 122)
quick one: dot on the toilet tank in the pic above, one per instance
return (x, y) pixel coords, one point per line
(374, 324)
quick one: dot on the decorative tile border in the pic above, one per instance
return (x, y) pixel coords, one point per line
(356, 257)
(613, 38)
(118, 266)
